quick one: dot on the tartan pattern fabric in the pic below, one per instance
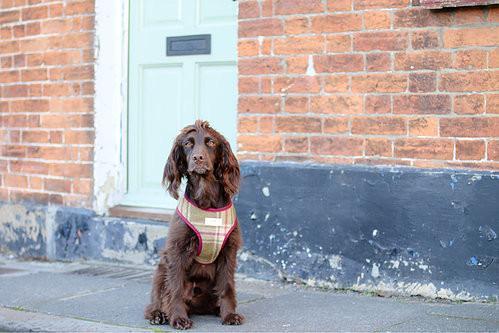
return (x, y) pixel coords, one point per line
(211, 237)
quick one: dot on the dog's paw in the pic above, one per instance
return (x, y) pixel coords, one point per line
(181, 323)
(158, 318)
(233, 319)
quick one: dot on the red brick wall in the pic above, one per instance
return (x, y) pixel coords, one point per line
(46, 100)
(368, 82)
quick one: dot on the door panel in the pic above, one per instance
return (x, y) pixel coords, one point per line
(168, 93)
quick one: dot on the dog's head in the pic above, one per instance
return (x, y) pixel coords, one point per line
(200, 150)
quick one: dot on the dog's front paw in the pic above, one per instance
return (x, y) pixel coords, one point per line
(158, 318)
(181, 323)
(233, 319)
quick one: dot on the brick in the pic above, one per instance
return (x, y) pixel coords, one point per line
(303, 84)
(294, 124)
(422, 60)
(336, 83)
(382, 41)
(299, 45)
(79, 137)
(296, 25)
(424, 148)
(267, 7)
(494, 58)
(266, 47)
(248, 9)
(488, 36)
(36, 136)
(342, 146)
(34, 13)
(57, 185)
(423, 126)
(10, 76)
(266, 124)
(297, 65)
(493, 104)
(379, 83)
(287, 7)
(296, 145)
(339, 63)
(380, 4)
(493, 150)
(61, 89)
(377, 20)
(422, 82)
(469, 15)
(336, 125)
(34, 75)
(9, 16)
(9, 47)
(68, 169)
(420, 18)
(48, 153)
(469, 127)
(76, 8)
(260, 27)
(83, 186)
(339, 5)
(247, 125)
(18, 90)
(378, 62)
(425, 40)
(469, 104)
(378, 104)
(378, 147)
(35, 183)
(336, 23)
(470, 81)
(338, 43)
(248, 48)
(379, 125)
(13, 150)
(422, 104)
(267, 65)
(30, 105)
(259, 104)
(470, 59)
(248, 85)
(30, 167)
(33, 29)
(470, 149)
(296, 104)
(66, 121)
(260, 143)
(15, 181)
(336, 104)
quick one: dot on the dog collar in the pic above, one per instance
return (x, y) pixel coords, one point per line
(211, 226)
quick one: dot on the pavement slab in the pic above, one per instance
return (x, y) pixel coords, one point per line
(91, 297)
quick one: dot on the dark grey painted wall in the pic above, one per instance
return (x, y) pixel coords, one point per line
(355, 226)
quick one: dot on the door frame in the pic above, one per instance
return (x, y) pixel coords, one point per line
(110, 103)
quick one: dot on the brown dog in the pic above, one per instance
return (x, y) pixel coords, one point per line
(181, 285)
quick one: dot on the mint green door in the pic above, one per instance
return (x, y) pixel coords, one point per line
(167, 93)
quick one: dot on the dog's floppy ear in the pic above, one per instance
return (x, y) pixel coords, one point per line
(175, 168)
(227, 169)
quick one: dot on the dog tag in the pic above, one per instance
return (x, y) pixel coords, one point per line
(213, 221)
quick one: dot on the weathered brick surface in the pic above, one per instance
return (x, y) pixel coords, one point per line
(367, 82)
(46, 101)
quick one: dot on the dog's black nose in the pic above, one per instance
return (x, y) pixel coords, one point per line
(197, 158)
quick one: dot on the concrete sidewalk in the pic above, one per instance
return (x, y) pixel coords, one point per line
(74, 297)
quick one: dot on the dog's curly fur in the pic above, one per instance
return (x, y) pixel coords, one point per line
(181, 285)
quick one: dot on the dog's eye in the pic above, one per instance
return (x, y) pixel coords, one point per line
(188, 144)
(210, 143)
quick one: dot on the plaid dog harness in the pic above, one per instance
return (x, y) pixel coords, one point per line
(212, 227)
